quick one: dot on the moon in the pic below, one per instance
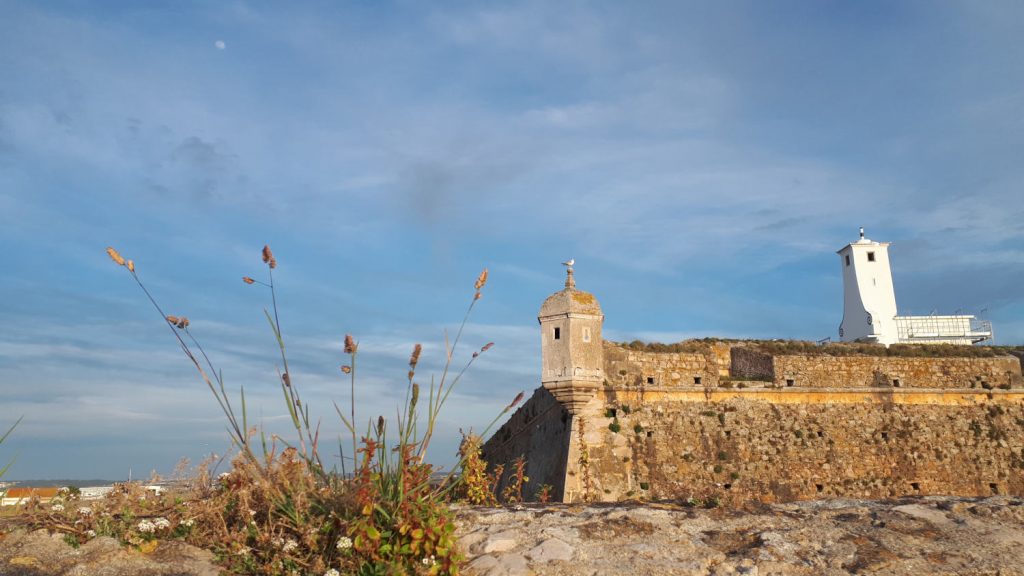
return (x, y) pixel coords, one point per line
(220, 44)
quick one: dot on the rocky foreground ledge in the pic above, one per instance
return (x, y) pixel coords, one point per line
(930, 535)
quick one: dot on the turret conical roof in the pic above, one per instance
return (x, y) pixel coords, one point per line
(570, 301)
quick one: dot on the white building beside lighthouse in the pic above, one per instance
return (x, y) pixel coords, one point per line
(869, 305)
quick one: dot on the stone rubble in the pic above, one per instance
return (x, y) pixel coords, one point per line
(41, 554)
(909, 536)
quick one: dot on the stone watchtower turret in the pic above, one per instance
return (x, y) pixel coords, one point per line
(572, 356)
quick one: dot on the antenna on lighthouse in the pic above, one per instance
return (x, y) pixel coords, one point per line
(862, 232)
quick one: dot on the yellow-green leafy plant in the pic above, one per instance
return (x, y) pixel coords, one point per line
(476, 485)
(279, 511)
(583, 461)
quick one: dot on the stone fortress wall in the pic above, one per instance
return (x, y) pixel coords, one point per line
(539, 431)
(738, 423)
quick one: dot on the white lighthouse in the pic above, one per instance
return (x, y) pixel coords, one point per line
(869, 301)
(869, 305)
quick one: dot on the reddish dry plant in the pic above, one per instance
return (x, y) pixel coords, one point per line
(544, 493)
(513, 492)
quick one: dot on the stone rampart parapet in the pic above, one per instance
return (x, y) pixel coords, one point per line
(626, 367)
(868, 371)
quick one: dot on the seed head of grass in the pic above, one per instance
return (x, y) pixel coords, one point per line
(248, 280)
(115, 256)
(481, 280)
(268, 257)
(415, 358)
(484, 349)
(517, 400)
(346, 369)
(350, 344)
(131, 266)
(179, 321)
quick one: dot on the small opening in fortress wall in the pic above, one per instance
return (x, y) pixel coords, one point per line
(558, 333)
(994, 487)
(896, 382)
(649, 433)
(727, 486)
(696, 379)
(650, 379)
(819, 487)
(871, 256)
(916, 486)
(789, 382)
(885, 436)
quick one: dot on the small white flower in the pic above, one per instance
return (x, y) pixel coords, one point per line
(57, 507)
(223, 475)
(188, 523)
(289, 545)
(332, 572)
(252, 513)
(146, 527)
(85, 511)
(90, 533)
(429, 561)
(162, 523)
(344, 543)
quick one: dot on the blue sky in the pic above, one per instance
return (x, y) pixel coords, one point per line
(701, 162)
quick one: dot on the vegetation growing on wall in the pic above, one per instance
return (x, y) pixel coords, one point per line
(807, 348)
